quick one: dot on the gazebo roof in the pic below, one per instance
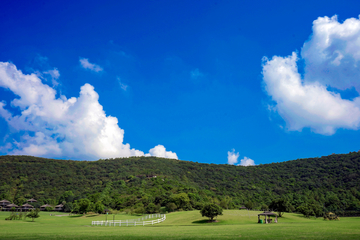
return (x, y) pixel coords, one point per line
(60, 205)
(46, 205)
(27, 205)
(266, 213)
(4, 201)
(12, 205)
(242, 207)
(32, 200)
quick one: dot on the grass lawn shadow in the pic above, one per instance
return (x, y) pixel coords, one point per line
(205, 221)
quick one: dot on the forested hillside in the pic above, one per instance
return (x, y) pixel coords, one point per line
(139, 182)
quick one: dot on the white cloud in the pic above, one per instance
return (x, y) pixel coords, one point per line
(332, 54)
(232, 157)
(195, 74)
(91, 66)
(331, 59)
(60, 127)
(54, 74)
(123, 86)
(246, 162)
(160, 151)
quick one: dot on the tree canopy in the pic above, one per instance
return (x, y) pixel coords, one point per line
(211, 210)
(139, 182)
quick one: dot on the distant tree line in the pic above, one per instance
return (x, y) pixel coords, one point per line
(149, 184)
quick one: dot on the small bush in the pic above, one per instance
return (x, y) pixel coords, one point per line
(49, 209)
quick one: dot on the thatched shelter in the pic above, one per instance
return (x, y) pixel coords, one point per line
(43, 207)
(10, 206)
(59, 207)
(4, 203)
(242, 208)
(31, 200)
(26, 207)
(267, 215)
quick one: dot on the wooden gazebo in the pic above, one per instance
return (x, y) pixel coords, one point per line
(31, 200)
(242, 207)
(10, 206)
(43, 207)
(59, 207)
(4, 203)
(26, 207)
(267, 215)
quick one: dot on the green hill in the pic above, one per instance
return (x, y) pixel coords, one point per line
(333, 181)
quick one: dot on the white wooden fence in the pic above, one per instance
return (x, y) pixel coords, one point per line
(132, 222)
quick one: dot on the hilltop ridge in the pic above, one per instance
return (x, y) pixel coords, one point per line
(332, 179)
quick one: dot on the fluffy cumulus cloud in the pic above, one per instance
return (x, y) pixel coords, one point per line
(160, 151)
(332, 54)
(58, 126)
(233, 159)
(91, 66)
(331, 58)
(246, 162)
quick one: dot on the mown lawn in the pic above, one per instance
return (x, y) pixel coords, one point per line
(234, 224)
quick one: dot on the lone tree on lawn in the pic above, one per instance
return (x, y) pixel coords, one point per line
(33, 214)
(211, 210)
(281, 205)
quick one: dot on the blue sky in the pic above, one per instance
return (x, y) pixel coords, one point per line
(180, 79)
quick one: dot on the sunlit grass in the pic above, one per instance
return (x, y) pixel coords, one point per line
(180, 225)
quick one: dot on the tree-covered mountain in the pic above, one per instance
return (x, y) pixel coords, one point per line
(137, 182)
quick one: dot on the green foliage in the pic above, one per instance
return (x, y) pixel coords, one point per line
(12, 216)
(152, 208)
(140, 210)
(124, 183)
(181, 200)
(82, 205)
(68, 207)
(310, 209)
(281, 205)
(249, 205)
(67, 196)
(264, 207)
(226, 202)
(49, 209)
(129, 211)
(211, 210)
(99, 207)
(33, 214)
(171, 207)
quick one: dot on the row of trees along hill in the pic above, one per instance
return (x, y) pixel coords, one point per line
(149, 183)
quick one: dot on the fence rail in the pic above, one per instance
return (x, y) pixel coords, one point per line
(132, 222)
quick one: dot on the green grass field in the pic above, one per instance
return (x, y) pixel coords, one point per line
(234, 224)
